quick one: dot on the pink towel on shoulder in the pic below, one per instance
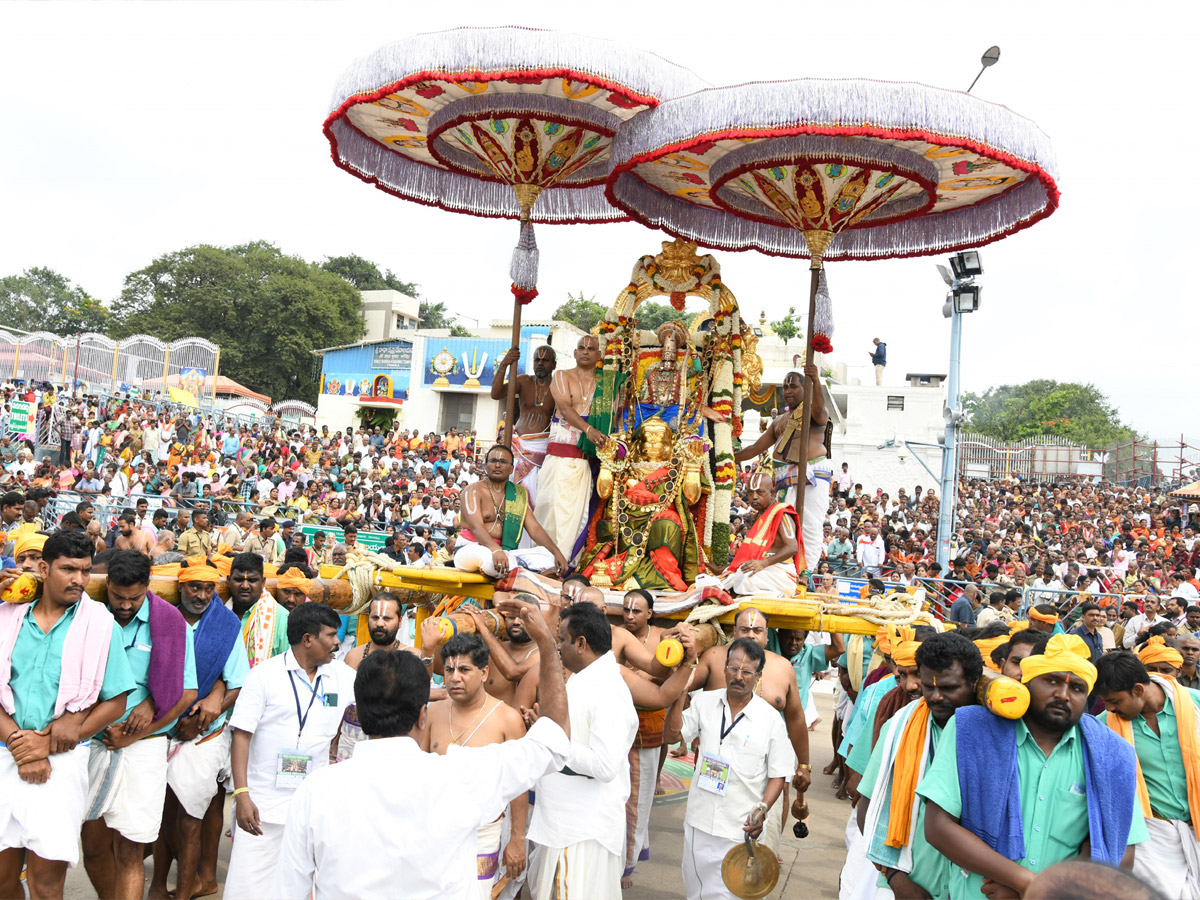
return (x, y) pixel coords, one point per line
(84, 654)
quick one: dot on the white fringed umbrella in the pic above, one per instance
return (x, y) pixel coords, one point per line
(504, 122)
(836, 169)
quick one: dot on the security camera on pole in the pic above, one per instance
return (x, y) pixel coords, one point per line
(963, 298)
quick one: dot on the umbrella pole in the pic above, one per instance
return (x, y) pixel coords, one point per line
(818, 243)
(510, 400)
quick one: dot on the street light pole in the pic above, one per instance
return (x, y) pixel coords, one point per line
(950, 451)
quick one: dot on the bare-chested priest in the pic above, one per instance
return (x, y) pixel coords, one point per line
(496, 513)
(535, 407)
(383, 622)
(791, 461)
(767, 561)
(776, 685)
(470, 717)
(565, 483)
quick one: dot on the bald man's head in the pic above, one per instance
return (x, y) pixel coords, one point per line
(1084, 880)
(592, 595)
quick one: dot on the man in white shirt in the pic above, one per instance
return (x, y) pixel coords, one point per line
(428, 855)
(869, 550)
(741, 767)
(1142, 621)
(286, 717)
(578, 824)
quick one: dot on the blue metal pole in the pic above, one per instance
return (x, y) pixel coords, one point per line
(950, 454)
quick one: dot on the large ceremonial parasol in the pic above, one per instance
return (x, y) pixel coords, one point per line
(505, 122)
(833, 169)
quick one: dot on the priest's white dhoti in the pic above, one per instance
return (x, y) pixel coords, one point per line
(487, 856)
(643, 779)
(126, 787)
(472, 557)
(529, 454)
(45, 818)
(816, 511)
(252, 863)
(194, 770)
(778, 579)
(1170, 860)
(703, 854)
(581, 871)
(564, 489)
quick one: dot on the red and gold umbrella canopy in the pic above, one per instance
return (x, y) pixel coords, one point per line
(833, 169)
(508, 122)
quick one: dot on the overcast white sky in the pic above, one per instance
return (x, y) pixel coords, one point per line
(134, 129)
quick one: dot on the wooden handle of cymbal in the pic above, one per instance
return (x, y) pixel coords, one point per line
(336, 594)
(1003, 696)
(670, 650)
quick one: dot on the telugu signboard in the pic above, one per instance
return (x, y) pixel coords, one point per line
(392, 356)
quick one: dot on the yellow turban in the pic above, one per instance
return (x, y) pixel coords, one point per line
(904, 645)
(1043, 617)
(1156, 650)
(1018, 625)
(293, 579)
(199, 573)
(30, 540)
(986, 646)
(883, 640)
(1064, 653)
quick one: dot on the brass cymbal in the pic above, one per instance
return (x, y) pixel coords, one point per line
(750, 870)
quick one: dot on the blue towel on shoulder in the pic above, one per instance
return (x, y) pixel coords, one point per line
(991, 793)
(988, 780)
(213, 641)
(1110, 769)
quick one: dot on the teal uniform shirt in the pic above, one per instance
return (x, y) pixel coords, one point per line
(856, 746)
(805, 663)
(930, 869)
(1054, 809)
(234, 673)
(135, 639)
(1162, 760)
(37, 668)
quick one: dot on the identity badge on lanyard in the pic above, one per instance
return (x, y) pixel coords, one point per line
(292, 766)
(712, 774)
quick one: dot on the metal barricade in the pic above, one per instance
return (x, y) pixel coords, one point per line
(1067, 602)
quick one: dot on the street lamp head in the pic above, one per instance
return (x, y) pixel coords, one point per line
(990, 57)
(966, 264)
(966, 298)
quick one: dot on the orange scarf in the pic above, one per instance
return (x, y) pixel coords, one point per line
(904, 775)
(1189, 745)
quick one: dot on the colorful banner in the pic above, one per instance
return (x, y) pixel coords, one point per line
(22, 419)
(463, 362)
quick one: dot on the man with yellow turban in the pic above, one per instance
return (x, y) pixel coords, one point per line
(1158, 716)
(291, 588)
(27, 552)
(1007, 798)
(893, 821)
(1161, 657)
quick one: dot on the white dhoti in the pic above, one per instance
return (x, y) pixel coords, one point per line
(472, 557)
(126, 787)
(778, 579)
(529, 453)
(581, 871)
(512, 886)
(45, 818)
(816, 511)
(703, 854)
(252, 863)
(564, 490)
(643, 779)
(487, 856)
(1170, 860)
(858, 875)
(194, 770)
(844, 706)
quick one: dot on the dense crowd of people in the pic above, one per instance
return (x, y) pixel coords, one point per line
(127, 724)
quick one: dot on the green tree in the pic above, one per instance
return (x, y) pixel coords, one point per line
(1078, 412)
(436, 315)
(786, 328)
(41, 299)
(582, 312)
(267, 311)
(650, 315)
(366, 276)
